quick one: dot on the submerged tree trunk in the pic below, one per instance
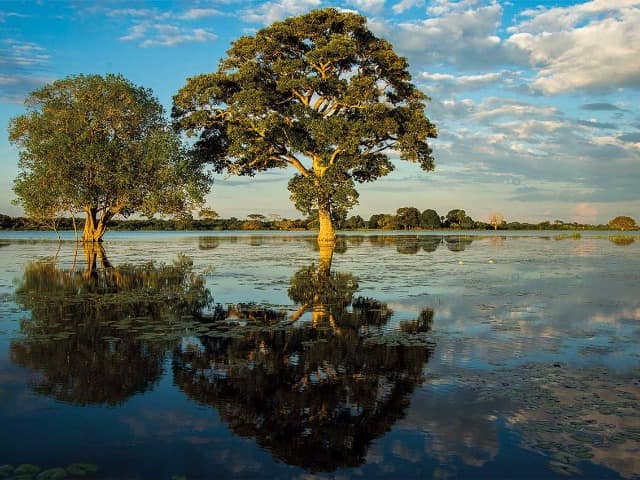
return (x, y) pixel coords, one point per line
(327, 234)
(324, 260)
(94, 227)
(94, 253)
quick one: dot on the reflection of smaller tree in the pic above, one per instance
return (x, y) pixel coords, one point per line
(458, 243)
(208, 243)
(430, 243)
(622, 240)
(82, 333)
(407, 245)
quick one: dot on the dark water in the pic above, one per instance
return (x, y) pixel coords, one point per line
(193, 356)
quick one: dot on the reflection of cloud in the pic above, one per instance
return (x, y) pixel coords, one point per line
(616, 318)
(455, 423)
(161, 423)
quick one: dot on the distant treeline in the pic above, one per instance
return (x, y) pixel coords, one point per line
(407, 218)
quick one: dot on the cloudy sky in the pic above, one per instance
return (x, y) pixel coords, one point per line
(536, 102)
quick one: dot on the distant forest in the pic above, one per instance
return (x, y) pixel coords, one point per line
(407, 218)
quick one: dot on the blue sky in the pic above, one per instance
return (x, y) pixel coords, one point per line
(536, 102)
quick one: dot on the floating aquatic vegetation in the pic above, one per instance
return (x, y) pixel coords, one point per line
(81, 469)
(6, 470)
(53, 474)
(571, 415)
(568, 236)
(26, 469)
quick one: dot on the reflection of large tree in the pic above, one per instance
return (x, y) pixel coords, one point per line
(315, 393)
(83, 333)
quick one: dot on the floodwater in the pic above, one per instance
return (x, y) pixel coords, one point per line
(198, 356)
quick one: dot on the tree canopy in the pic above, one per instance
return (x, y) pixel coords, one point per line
(102, 146)
(317, 92)
(623, 222)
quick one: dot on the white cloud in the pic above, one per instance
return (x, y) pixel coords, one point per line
(197, 13)
(14, 88)
(405, 5)
(542, 19)
(465, 81)
(22, 54)
(166, 34)
(494, 107)
(135, 32)
(446, 7)
(584, 213)
(591, 46)
(133, 12)
(270, 12)
(5, 15)
(373, 6)
(460, 38)
(23, 67)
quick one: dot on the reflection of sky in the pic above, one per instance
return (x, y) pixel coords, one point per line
(499, 303)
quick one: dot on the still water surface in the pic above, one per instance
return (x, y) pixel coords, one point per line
(201, 356)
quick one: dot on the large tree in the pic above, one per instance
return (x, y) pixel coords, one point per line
(102, 146)
(319, 93)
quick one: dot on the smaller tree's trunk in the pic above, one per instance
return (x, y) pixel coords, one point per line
(327, 234)
(55, 229)
(75, 227)
(94, 227)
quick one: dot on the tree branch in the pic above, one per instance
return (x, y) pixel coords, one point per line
(335, 153)
(292, 160)
(304, 99)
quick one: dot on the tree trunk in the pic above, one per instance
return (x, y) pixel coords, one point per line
(75, 227)
(326, 255)
(327, 234)
(94, 227)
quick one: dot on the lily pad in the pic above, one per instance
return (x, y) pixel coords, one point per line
(27, 469)
(52, 474)
(5, 471)
(81, 469)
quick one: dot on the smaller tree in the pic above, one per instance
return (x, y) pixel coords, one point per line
(355, 222)
(102, 146)
(208, 214)
(458, 218)
(623, 223)
(430, 219)
(496, 220)
(408, 218)
(375, 221)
